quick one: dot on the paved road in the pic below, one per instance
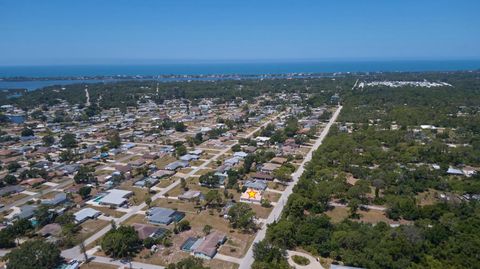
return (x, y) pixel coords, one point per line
(135, 265)
(314, 264)
(74, 253)
(248, 260)
(371, 207)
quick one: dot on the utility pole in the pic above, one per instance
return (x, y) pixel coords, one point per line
(83, 249)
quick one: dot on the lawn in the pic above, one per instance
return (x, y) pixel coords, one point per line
(196, 163)
(185, 170)
(89, 228)
(260, 211)
(276, 186)
(165, 182)
(203, 171)
(139, 194)
(108, 211)
(12, 198)
(136, 218)
(338, 214)
(271, 196)
(428, 197)
(162, 162)
(175, 204)
(219, 264)
(192, 184)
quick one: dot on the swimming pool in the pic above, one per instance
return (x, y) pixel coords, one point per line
(98, 199)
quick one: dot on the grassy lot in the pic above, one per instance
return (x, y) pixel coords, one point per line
(175, 204)
(137, 218)
(203, 171)
(162, 162)
(89, 228)
(261, 212)
(196, 163)
(39, 188)
(103, 172)
(108, 211)
(12, 198)
(192, 184)
(338, 214)
(176, 191)
(428, 197)
(163, 257)
(139, 194)
(49, 195)
(271, 196)
(219, 264)
(185, 170)
(276, 186)
(371, 216)
(165, 182)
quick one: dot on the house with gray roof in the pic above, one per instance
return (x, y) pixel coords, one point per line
(176, 165)
(26, 212)
(258, 185)
(161, 215)
(58, 199)
(11, 189)
(189, 157)
(86, 213)
(148, 180)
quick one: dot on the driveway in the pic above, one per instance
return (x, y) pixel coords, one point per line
(314, 264)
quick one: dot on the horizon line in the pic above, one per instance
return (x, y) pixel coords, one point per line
(108, 62)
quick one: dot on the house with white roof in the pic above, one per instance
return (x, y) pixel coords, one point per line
(116, 197)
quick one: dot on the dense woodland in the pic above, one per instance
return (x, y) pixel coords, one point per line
(378, 142)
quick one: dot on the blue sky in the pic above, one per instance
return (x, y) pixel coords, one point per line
(103, 31)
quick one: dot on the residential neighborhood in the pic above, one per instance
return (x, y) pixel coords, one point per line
(175, 172)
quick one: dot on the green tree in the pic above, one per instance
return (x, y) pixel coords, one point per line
(10, 179)
(207, 229)
(180, 127)
(85, 175)
(183, 225)
(122, 242)
(209, 180)
(67, 156)
(268, 256)
(213, 198)
(27, 132)
(43, 215)
(48, 140)
(35, 254)
(114, 140)
(85, 191)
(188, 263)
(68, 141)
(241, 216)
(180, 150)
(13, 167)
(236, 148)
(283, 174)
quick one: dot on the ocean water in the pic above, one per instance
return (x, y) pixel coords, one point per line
(253, 68)
(238, 68)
